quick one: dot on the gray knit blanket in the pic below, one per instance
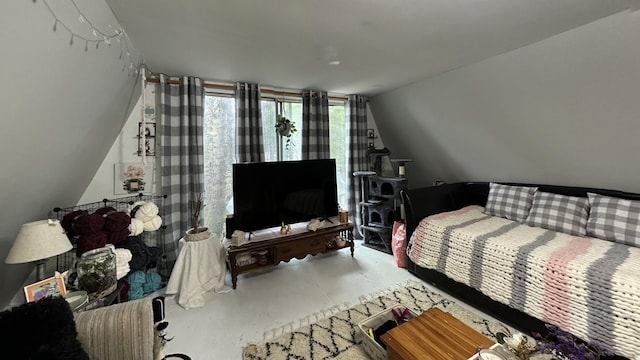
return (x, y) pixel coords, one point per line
(587, 286)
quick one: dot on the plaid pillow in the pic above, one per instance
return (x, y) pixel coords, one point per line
(614, 219)
(567, 214)
(511, 202)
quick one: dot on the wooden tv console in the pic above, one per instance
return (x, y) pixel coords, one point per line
(267, 248)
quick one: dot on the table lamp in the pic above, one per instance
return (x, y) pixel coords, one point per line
(36, 242)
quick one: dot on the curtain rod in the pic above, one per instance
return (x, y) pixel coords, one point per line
(155, 79)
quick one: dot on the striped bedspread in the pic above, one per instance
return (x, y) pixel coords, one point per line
(586, 286)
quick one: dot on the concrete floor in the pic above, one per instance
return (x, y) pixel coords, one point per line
(272, 298)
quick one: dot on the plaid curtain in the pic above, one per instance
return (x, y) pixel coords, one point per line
(357, 158)
(315, 125)
(182, 158)
(249, 143)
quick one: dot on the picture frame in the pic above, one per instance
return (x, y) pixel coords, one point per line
(149, 143)
(149, 129)
(149, 146)
(53, 286)
(150, 112)
(133, 178)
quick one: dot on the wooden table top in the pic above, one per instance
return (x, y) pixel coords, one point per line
(434, 335)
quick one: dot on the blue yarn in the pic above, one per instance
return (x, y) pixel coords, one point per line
(152, 283)
(135, 293)
(141, 283)
(138, 277)
(136, 280)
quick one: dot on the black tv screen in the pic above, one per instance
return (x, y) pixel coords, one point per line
(269, 193)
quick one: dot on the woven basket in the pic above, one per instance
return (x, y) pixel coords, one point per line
(373, 349)
(203, 234)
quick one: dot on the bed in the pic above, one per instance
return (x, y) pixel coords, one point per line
(525, 275)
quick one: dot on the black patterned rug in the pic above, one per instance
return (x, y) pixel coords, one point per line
(335, 336)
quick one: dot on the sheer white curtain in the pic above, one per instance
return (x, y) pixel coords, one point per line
(219, 131)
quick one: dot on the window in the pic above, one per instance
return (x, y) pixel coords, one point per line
(339, 147)
(275, 147)
(219, 133)
(219, 149)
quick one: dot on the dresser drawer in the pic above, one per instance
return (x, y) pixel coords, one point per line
(299, 248)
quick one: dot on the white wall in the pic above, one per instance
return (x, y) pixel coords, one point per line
(562, 111)
(124, 149)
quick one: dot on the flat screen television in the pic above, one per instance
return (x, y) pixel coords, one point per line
(268, 193)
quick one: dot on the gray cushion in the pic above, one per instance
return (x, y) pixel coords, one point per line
(510, 202)
(614, 219)
(567, 214)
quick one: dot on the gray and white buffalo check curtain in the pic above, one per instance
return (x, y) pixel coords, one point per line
(315, 125)
(182, 160)
(357, 157)
(249, 143)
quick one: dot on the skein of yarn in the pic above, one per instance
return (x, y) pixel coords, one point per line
(136, 227)
(88, 224)
(114, 237)
(105, 210)
(148, 210)
(116, 221)
(132, 210)
(67, 221)
(153, 224)
(91, 241)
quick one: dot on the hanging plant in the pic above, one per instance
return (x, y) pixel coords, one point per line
(286, 128)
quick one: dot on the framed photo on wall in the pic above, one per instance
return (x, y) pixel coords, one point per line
(149, 143)
(149, 129)
(53, 286)
(149, 146)
(133, 178)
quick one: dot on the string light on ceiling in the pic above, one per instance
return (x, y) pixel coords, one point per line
(96, 36)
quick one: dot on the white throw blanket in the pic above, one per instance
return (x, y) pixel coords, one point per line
(200, 267)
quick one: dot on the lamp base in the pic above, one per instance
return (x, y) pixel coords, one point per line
(41, 269)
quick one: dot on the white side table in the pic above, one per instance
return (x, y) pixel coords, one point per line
(200, 267)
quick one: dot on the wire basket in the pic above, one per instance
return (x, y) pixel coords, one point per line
(67, 260)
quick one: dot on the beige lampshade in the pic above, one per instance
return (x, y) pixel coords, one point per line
(38, 240)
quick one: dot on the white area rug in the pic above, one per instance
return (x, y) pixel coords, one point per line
(331, 334)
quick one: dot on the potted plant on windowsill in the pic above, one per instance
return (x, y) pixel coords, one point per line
(197, 232)
(285, 128)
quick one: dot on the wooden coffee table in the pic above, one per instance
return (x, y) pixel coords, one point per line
(434, 335)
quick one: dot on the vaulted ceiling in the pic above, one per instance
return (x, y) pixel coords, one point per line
(379, 44)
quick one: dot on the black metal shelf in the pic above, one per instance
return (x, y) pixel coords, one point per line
(67, 260)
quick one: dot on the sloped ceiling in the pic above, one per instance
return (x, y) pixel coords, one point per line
(380, 44)
(62, 108)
